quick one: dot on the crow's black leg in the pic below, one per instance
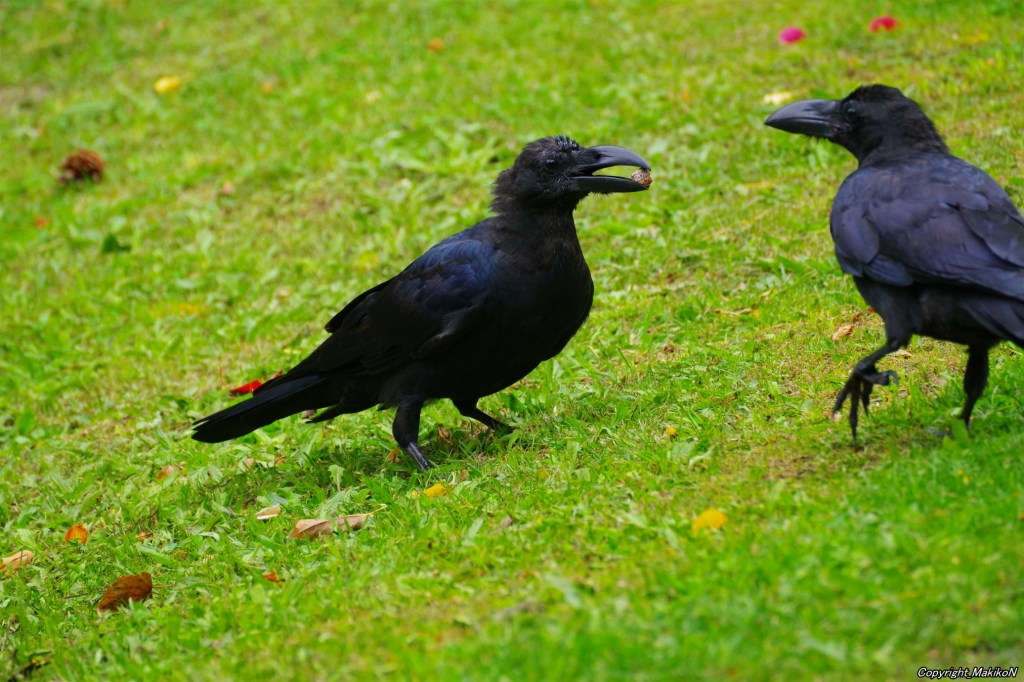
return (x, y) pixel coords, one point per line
(406, 430)
(975, 379)
(864, 377)
(468, 408)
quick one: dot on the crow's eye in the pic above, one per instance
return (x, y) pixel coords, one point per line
(850, 115)
(550, 164)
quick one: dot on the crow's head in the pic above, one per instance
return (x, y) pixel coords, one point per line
(557, 172)
(873, 120)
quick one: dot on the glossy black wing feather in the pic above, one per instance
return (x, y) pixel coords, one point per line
(420, 312)
(933, 220)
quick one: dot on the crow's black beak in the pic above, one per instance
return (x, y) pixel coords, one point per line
(606, 157)
(813, 117)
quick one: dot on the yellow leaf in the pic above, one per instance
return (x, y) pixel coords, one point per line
(76, 533)
(712, 518)
(436, 490)
(167, 84)
(777, 98)
(267, 87)
(18, 559)
(669, 431)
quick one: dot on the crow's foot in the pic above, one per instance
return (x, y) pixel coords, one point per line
(858, 389)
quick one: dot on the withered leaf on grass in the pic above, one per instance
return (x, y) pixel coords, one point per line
(128, 587)
(307, 529)
(17, 560)
(844, 330)
(271, 576)
(170, 469)
(351, 522)
(268, 512)
(76, 533)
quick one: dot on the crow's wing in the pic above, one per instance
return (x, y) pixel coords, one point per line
(933, 219)
(420, 312)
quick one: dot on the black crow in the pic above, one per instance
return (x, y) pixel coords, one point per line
(470, 317)
(934, 244)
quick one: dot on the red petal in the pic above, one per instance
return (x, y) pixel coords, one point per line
(246, 388)
(879, 23)
(791, 34)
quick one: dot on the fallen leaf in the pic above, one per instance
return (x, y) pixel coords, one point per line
(777, 98)
(81, 165)
(883, 23)
(394, 457)
(267, 87)
(42, 222)
(167, 84)
(844, 330)
(268, 512)
(444, 435)
(249, 462)
(791, 34)
(271, 576)
(436, 490)
(712, 518)
(350, 523)
(170, 469)
(307, 529)
(505, 522)
(670, 432)
(143, 536)
(246, 388)
(904, 353)
(227, 189)
(18, 559)
(435, 45)
(76, 533)
(135, 588)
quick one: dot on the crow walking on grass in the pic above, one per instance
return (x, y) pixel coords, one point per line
(934, 244)
(470, 317)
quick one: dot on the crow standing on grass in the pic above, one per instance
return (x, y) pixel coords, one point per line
(933, 243)
(470, 317)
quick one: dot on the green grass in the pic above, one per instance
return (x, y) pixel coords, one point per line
(717, 297)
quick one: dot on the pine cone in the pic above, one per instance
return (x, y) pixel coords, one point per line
(80, 165)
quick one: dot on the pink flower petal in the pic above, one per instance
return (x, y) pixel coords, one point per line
(791, 34)
(885, 23)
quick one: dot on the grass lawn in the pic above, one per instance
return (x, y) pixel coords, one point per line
(313, 150)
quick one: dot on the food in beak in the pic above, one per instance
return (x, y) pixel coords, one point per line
(642, 177)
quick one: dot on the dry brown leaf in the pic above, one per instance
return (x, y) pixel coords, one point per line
(128, 587)
(227, 189)
(307, 529)
(170, 469)
(76, 533)
(444, 435)
(81, 165)
(271, 576)
(269, 512)
(435, 45)
(394, 457)
(844, 330)
(144, 535)
(351, 522)
(249, 462)
(18, 559)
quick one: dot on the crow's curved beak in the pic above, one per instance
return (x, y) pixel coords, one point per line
(607, 156)
(813, 117)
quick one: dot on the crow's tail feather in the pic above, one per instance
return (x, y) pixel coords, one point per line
(1004, 317)
(280, 401)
